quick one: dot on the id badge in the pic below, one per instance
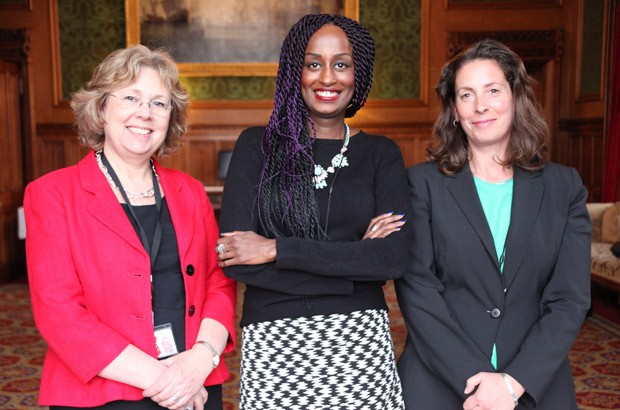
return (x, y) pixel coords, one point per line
(164, 341)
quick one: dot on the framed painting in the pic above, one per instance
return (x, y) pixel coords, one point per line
(223, 38)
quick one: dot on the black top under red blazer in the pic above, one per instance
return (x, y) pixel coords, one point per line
(457, 304)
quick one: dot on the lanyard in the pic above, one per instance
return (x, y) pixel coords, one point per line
(152, 250)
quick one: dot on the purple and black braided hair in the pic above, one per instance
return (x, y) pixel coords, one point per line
(286, 199)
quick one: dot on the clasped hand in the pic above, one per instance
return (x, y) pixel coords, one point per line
(181, 385)
(491, 392)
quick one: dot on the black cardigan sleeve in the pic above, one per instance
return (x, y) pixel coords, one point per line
(238, 213)
(361, 260)
(308, 266)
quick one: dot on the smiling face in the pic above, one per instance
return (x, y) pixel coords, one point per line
(484, 104)
(136, 133)
(328, 75)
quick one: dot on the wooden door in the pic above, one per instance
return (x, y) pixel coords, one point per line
(11, 172)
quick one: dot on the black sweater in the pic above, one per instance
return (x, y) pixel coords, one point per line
(313, 277)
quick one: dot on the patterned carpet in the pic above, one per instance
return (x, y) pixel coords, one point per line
(595, 357)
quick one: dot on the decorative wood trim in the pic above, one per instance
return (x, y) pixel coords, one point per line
(425, 50)
(17, 123)
(497, 5)
(15, 44)
(59, 147)
(24, 5)
(579, 97)
(581, 144)
(531, 46)
(56, 58)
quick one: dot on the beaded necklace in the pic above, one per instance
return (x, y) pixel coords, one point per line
(339, 161)
(149, 193)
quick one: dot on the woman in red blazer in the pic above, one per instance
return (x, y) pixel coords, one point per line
(124, 279)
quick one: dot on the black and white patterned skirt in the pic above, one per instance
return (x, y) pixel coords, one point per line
(338, 361)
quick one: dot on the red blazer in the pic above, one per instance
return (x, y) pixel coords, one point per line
(90, 278)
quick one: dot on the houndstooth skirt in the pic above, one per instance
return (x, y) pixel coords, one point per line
(338, 361)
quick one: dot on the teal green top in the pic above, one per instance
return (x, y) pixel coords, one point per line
(496, 200)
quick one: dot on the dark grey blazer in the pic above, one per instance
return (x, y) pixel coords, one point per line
(456, 304)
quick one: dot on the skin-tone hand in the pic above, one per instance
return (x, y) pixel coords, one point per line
(186, 372)
(245, 248)
(383, 225)
(133, 367)
(250, 248)
(183, 379)
(491, 393)
(199, 400)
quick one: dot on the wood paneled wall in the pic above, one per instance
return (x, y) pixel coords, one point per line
(58, 146)
(49, 141)
(581, 145)
(215, 124)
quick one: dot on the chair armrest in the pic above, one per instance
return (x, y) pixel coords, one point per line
(596, 211)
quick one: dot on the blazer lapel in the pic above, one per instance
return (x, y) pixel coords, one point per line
(526, 199)
(464, 192)
(103, 205)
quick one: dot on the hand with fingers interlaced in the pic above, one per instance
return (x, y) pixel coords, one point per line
(180, 386)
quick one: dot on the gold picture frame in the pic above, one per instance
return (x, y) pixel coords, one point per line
(181, 24)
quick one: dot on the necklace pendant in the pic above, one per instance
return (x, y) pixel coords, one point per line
(339, 161)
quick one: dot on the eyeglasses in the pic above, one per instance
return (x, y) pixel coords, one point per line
(159, 107)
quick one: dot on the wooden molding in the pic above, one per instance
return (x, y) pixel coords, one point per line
(581, 144)
(498, 4)
(15, 44)
(56, 59)
(591, 97)
(531, 46)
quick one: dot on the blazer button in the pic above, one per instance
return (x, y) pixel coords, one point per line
(189, 270)
(495, 313)
(191, 311)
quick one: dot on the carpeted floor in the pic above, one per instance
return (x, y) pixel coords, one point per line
(595, 357)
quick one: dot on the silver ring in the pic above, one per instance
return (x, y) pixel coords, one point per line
(221, 248)
(174, 399)
(374, 228)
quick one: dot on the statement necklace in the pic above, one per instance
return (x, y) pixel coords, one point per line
(149, 193)
(339, 161)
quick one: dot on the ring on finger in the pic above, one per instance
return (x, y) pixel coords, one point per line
(221, 248)
(374, 228)
(174, 398)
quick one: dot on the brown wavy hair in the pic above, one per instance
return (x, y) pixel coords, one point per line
(121, 69)
(527, 144)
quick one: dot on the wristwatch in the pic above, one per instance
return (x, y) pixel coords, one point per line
(216, 356)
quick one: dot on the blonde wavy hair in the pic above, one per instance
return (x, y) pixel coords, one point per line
(121, 69)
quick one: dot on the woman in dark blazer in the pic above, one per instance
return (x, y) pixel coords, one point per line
(498, 281)
(120, 254)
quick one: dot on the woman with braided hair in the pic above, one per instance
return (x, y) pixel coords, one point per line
(312, 222)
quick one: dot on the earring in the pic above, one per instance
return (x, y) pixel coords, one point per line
(455, 123)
